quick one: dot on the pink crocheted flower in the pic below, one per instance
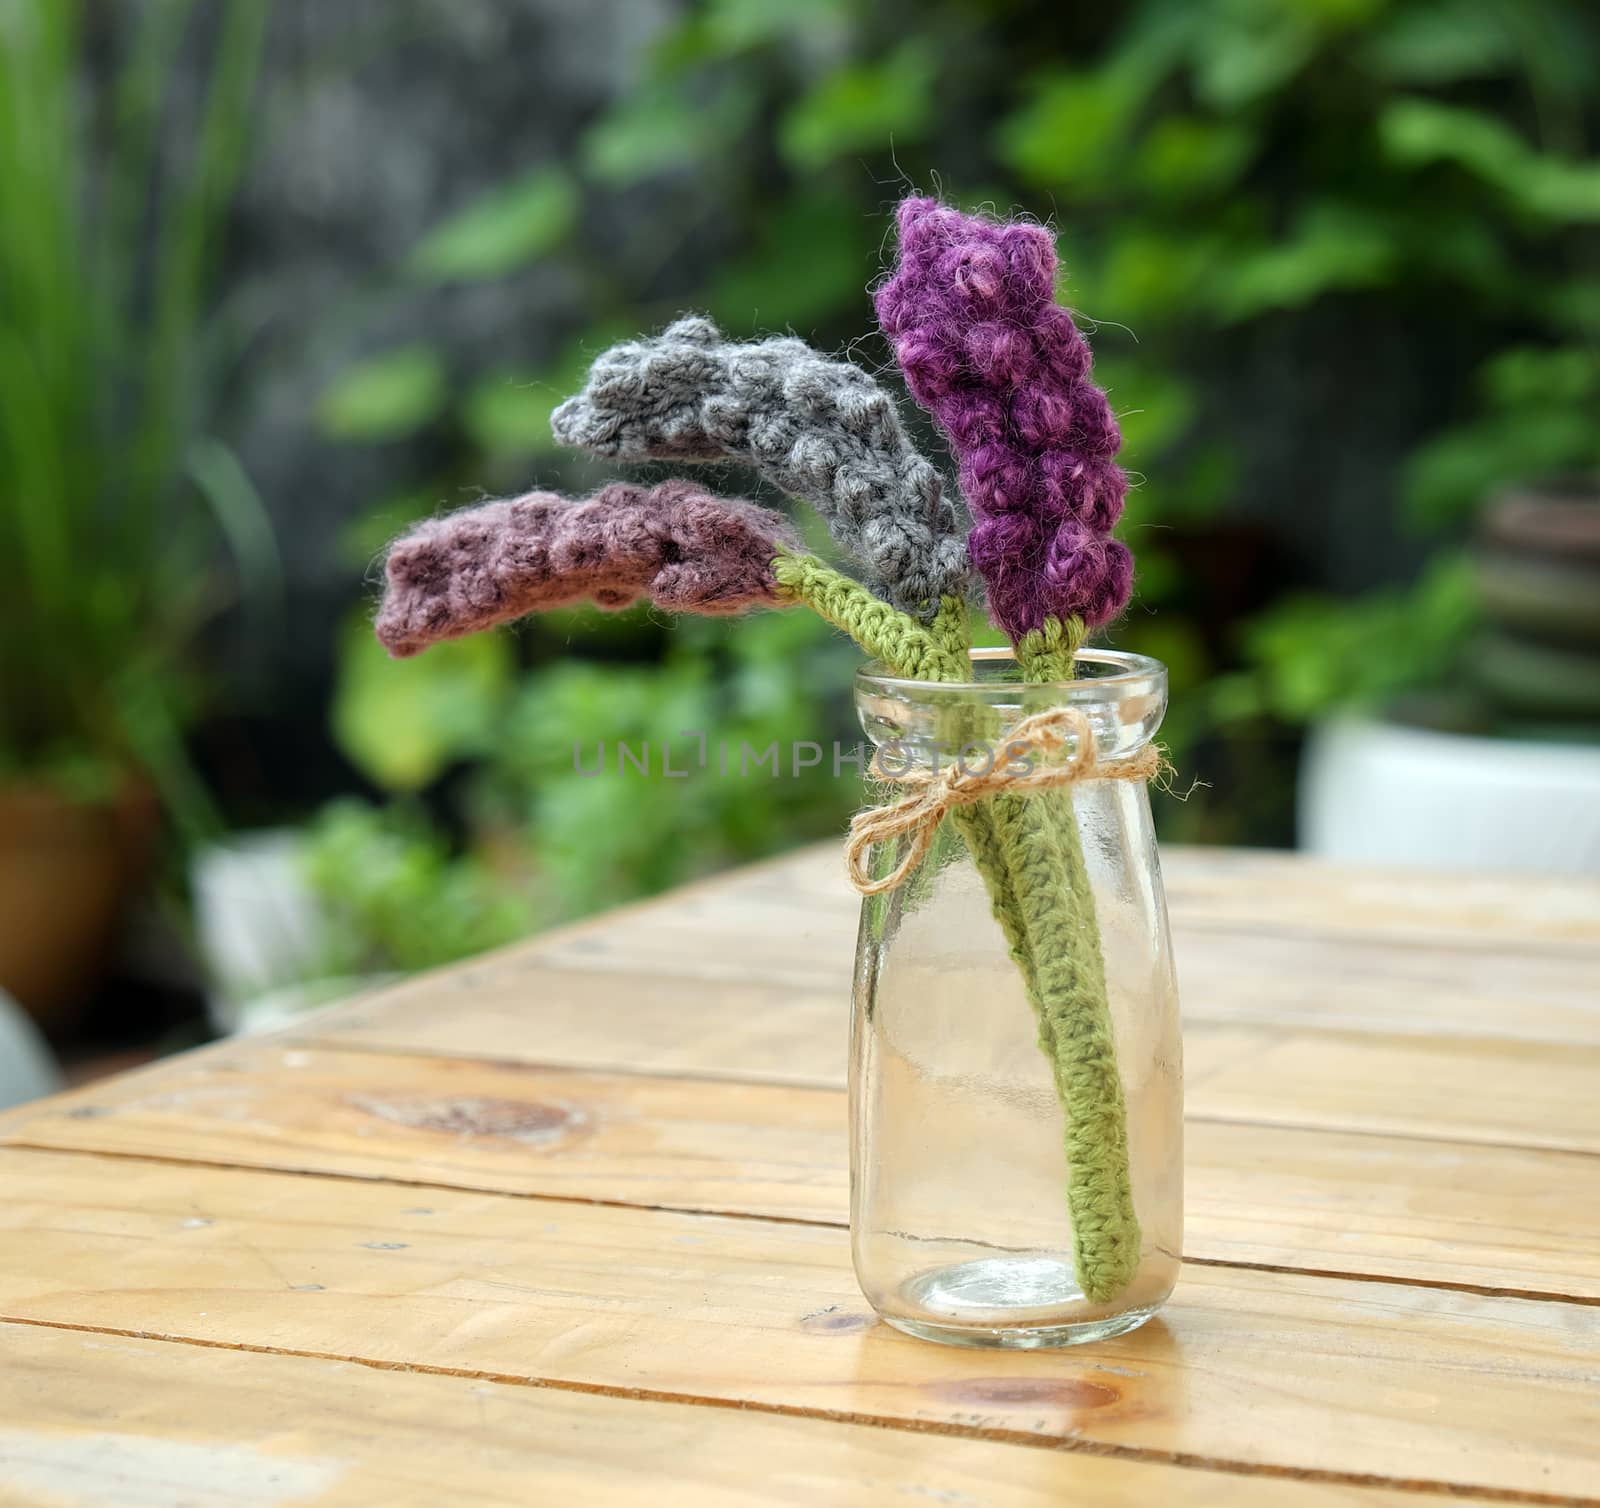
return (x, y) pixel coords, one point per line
(682, 547)
(971, 313)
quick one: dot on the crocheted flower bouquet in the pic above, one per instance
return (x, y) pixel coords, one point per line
(971, 315)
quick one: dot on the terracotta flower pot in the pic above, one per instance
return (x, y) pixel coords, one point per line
(67, 869)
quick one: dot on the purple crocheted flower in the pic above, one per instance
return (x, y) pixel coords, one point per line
(684, 548)
(971, 313)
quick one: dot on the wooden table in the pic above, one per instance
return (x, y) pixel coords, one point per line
(567, 1225)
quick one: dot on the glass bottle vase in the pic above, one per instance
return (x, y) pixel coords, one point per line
(1015, 1068)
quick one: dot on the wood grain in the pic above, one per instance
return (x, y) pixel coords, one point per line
(97, 1421)
(1500, 1090)
(498, 1175)
(1526, 1094)
(753, 1149)
(1234, 890)
(522, 1010)
(1427, 1211)
(1263, 890)
(531, 1007)
(748, 975)
(1244, 1369)
(1259, 978)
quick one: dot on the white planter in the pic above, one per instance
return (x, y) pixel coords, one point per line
(1380, 793)
(284, 1007)
(260, 928)
(27, 1070)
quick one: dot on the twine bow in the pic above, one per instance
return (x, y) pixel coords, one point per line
(919, 814)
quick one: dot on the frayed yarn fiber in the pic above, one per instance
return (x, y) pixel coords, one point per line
(680, 546)
(822, 430)
(970, 311)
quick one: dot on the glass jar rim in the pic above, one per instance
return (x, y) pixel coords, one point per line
(1124, 704)
(1128, 671)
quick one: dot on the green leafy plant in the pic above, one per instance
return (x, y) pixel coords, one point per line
(599, 837)
(403, 723)
(112, 495)
(1312, 653)
(386, 397)
(1235, 169)
(503, 231)
(397, 897)
(1231, 177)
(556, 819)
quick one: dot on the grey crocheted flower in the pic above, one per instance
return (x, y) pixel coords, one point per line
(822, 430)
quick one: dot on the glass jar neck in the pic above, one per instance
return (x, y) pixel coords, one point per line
(1123, 696)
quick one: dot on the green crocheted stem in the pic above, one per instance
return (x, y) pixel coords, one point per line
(940, 652)
(897, 639)
(1048, 653)
(976, 826)
(1029, 853)
(951, 629)
(1051, 883)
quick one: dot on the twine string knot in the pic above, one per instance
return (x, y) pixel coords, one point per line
(1035, 742)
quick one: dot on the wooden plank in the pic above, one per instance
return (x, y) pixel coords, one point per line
(1250, 976)
(793, 921)
(1506, 1219)
(1525, 1094)
(525, 1011)
(1427, 1211)
(1263, 979)
(754, 1149)
(749, 973)
(92, 1420)
(1519, 1093)
(1245, 1368)
(534, 1012)
(1237, 889)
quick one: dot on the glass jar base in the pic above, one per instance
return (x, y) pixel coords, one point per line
(1043, 1338)
(1009, 1303)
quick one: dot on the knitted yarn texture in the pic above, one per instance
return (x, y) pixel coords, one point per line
(820, 429)
(971, 313)
(909, 647)
(676, 544)
(1049, 885)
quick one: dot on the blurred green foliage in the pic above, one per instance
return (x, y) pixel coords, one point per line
(403, 725)
(398, 896)
(560, 820)
(113, 498)
(1312, 653)
(385, 397)
(1222, 172)
(502, 232)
